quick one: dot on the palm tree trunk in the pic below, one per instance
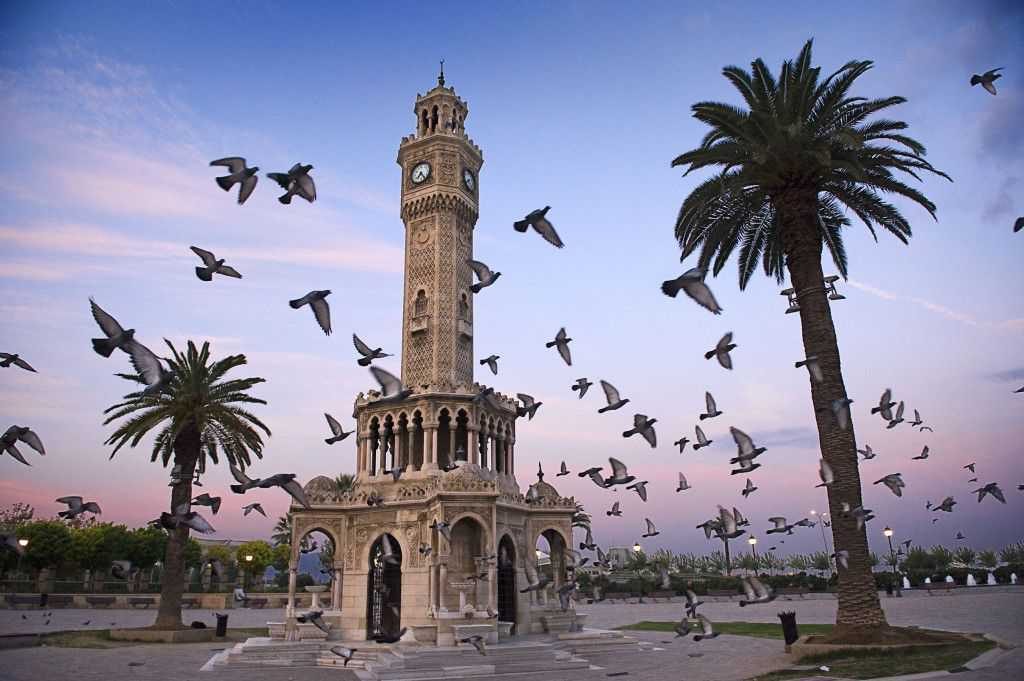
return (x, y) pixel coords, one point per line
(186, 454)
(859, 606)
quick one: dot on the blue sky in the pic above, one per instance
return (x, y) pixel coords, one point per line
(111, 112)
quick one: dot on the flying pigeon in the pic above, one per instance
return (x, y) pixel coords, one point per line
(391, 386)
(205, 499)
(182, 516)
(651, 529)
(729, 525)
(841, 410)
(540, 223)
(249, 508)
(1018, 225)
(615, 510)
(425, 550)
(917, 419)
(619, 476)
(721, 351)
(885, 405)
(825, 473)
(862, 515)
(924, 428)
(745, 445)
(76, 507)
(755, 591)
(692, 284)
(492, 363)
(388, 551)
(960, 536)
(813, 368)
(581, 385)
(681, 443)
(692, 603)
(116, 336)
(706, 629)
(898, 418)
(987, 79)
(477, 641)
(296, 181)
(711, 410)
(286, 481)
(682, 628)
(701, 440)
(530, 406)
(611, 395)
(562, 343)
(991, 489)
(542, 581)
(7, 359)
(314, 617)
(842, 558)
(923, 455)
(344, 653)
(483, 273)
(683, 484)
(867, 452)
(211, 266)
(645, 427)
(947, 505)
(970, 467)
(368, 354)
(640, 488)
(749, 489)
(894, 482)
(780, 526)
(239, 173)
(442, 527)
(18, 433)
(148, 366)
(317, 301)
(336, 429)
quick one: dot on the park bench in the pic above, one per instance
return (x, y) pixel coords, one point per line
(190, 602)
(100, 601)
(60, 601)
(257, 602)
(15, 600)
(936, 586)
(144, 601)
(800, 591)
(666, 595)
(728, 593)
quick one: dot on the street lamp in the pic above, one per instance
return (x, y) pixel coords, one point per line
(637, 548)
(22, 543)
(822, 522)
(753, 548)
(892, 558)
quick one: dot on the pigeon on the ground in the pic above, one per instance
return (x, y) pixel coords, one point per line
(885, 405)
(615, 510)
(344, 653)
(205, 499)
(297, 181)
(682, 628)
(249, 508)
(390, 638)
(748, 489)
(212, 265)
(20, 434)
(640, 488)
(813, 368)
(894, 482)
(483, 273)
(368, 354)
(239, 174)
(117, 337)
(392, 389)
(990, 489)
(721, 351)
(317, 301)
(477, 641)
(987, 79)
(970, 467)
(183, 516)
(898, 418)
(561, 341)
(867, 452)
(76, 507)
(692, 284)
(530, 406)
(652, 531)
(923, 455)
(706, 629)
(7, 359)
(314, 617)
(947, 505)
(581, 386)
(825, 473)
(841, 410)
(611, 395)
(683, 484)
(645, 428)
(711, 409)
(336, 429)
(681, 443)
(619, 476)
(286, 481)
(562, 471)
(540, 223)
(701, 440)
(755, 591)
(492, 363)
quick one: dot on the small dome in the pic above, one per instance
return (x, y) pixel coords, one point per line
(545, 491)
(321, 488)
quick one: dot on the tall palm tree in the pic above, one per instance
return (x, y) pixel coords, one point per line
(790, 163)
(197, 415)
(282, 533)
(345, 482)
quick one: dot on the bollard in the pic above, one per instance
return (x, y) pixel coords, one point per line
(222, 625)
(888, 588)
(789, 630)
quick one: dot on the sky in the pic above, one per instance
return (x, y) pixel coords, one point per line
(111, 113)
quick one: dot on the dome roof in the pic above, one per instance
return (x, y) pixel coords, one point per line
(545, 490)
(321, 488)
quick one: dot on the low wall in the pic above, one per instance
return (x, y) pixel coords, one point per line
(204, 601)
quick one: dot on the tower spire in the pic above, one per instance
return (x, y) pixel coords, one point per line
(440, 77)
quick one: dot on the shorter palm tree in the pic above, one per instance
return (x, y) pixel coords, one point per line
(282, 530)
(345, 482)
(988, 559)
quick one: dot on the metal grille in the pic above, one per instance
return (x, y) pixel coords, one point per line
(383, 593)
(507, 593)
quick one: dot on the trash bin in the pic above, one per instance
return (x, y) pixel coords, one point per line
(888, 588)
(222, 625)
(789, 630)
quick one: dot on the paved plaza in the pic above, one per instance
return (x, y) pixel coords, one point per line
(727, 658)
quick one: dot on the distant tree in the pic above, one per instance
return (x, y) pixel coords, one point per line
(874, 561)
(918, 560)
(798, 562)
(941, 557)
(262, 556)
(282, 533)
(49, 543)
(821, 562)
(1013, 554)
(965, 555)
(94, 547)
(282, 555)
(192, 556)
(15, 515)
(147, 546)
(772, 563)
(988, 559)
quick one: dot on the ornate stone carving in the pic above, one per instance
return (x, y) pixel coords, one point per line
(448, 169)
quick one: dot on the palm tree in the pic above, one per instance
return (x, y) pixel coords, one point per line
(988, 559)
(345, 482)
(199, 417)
(282, 530)
(790, 163)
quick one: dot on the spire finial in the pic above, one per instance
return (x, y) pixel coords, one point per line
(440, 78)
(540, 472)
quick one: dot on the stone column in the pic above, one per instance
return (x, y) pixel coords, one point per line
(336, 586)
(512, 456)
(442, 585)
(432, 586)
(499, 451)
(429, 448)
(293, 569)
(473, 442)
(492, 585)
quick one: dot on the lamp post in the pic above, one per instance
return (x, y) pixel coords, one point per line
(23, 543)
(892, 560)
(822, 521)
(248, 567)
(753, 549)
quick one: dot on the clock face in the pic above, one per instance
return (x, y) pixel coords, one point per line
(468, 179)
(420, 172)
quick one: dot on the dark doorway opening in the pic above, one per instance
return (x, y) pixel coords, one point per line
(507, 591)
(384, 590)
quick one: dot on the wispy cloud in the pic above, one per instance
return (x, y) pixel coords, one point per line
(1001, 204)
(948, 313)
(1016, 374)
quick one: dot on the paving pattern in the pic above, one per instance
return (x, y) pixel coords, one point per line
(726, 658)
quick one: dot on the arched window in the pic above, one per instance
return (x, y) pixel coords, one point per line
(433, 119)
(420, 306)
(464, 306)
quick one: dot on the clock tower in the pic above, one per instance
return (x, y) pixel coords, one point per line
(440, 192)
